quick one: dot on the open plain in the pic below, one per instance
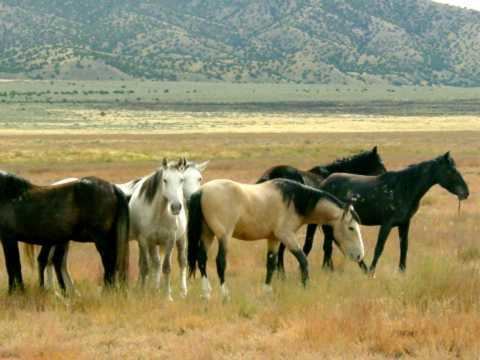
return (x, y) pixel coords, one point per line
(431, 311)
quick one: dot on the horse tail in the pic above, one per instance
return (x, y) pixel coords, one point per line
(122, 229)
(194, 230)
(28, 251)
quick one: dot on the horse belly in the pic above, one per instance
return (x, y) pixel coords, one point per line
(250, 228)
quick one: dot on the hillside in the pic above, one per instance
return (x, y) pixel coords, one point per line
(308, 41)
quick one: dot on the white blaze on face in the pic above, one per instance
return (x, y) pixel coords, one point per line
(348, 234)
(172, 189)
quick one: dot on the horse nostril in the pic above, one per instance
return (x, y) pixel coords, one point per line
(176, 208)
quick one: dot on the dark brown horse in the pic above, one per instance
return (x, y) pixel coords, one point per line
(87, 210)
(391, 199)
(365, 163)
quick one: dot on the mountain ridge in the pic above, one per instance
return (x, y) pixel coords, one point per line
(303, 41)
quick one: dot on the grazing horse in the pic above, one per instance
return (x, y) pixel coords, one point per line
(390, 200)
(365, 163)
(192, 181)
(273, 210)
(89, 209)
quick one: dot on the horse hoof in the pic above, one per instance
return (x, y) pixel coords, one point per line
(267, 289)
(225, 293)
(183, 294)
(206, 296)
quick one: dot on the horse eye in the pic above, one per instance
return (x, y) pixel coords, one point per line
(200, 179)
(351, 228)
(164, 181)
(182, 180)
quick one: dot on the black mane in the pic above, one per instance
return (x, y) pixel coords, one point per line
(304, 197)
(349, 164)
(12, 186)
(150, 186)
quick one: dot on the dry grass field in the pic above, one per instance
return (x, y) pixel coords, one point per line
(432, 311)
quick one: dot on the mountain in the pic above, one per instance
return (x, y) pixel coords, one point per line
(310, 41)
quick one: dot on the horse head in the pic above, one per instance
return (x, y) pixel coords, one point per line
(448, 177)
(347, 233)
(193, 177)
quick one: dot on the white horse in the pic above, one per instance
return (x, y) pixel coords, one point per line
(171, 184)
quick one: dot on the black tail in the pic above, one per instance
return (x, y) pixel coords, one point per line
(194, 231)
(122, 228)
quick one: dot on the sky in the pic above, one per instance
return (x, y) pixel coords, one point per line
(472, 4)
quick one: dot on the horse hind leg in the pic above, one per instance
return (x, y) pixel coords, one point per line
(221, 262)
(403, 234)
(182, 263)
(206, 242)
(108, 256)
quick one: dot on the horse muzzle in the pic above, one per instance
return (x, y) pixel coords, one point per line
(175, 208)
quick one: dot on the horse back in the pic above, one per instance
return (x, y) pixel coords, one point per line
(247, 211)
(282, 172)
(49, 214)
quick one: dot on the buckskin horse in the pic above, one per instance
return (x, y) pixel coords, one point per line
(273, 210)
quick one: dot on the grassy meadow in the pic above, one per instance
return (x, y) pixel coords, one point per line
(431, 311)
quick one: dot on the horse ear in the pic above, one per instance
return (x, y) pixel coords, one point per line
(182, 162)
(346, 208)
(164, 162)
(375, 149)
(447, 155)
(202, 166)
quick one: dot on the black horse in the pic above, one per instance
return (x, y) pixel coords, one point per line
(364, 163)
(89, 209)
(391, 199)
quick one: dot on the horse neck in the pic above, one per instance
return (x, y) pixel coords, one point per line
(420, 179)
(353, 166)
(325, 212)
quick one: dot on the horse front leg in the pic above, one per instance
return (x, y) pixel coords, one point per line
(43, 261)
(403, 234)
(382, 237)
(182, 263)
(280, 263)
(14, 267)
(142, 262)
(291, 244)
(166, 271)
(271, 262)
(156, 264)
(59, 259)
(327, 247)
